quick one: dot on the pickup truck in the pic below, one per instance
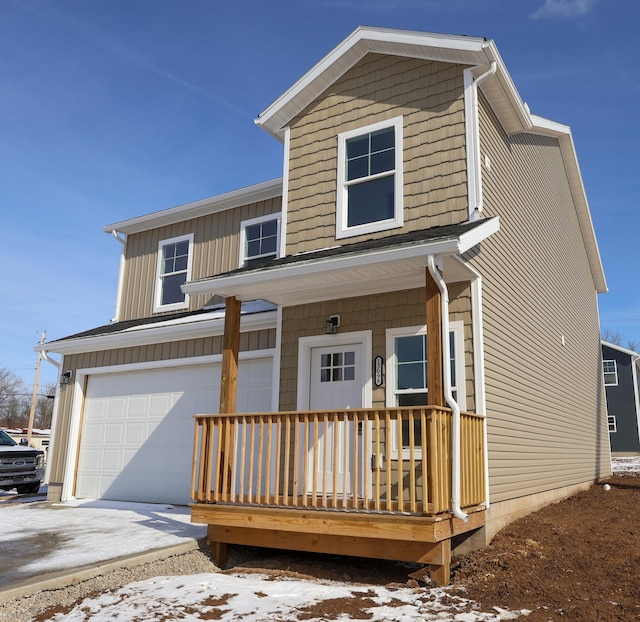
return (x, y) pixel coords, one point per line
(21, 467)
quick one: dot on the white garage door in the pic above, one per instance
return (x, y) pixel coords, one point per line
(136, 441)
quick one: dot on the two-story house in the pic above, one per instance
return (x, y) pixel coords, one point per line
(401, 335)
(621, 368)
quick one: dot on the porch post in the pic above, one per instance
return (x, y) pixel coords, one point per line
(228, 398)
(230, 348)
(435, 382)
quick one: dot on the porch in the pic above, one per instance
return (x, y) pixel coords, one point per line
(362, 482)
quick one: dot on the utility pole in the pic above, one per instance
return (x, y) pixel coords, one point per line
(34, 397)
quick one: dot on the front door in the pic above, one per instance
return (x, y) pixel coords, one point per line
(337, 381)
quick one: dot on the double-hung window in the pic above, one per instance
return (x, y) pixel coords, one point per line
(173, 270)
(407, 373)
(610, 370)
(259, 238)
(370, 188)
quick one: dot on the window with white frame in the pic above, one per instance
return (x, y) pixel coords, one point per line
(370, 188)
(259, 238)
(173, 270)
(610, 369)
(612, 423)
(407, 372)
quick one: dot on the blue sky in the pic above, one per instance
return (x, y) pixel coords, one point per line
(112, 109)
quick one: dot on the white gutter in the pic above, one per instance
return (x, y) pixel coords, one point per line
(446, 377)
(472, 132)
(123, 242)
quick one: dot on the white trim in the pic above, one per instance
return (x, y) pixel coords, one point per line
(455, 327)
(120, 289)
(285, 193)
(471, 137)
(79, 391)
(305, 346)
(277, 364)
(157, 298)
(342, 190)
(193, 327)
(212, 205)
(615, 371)
(242, 247)
(54, 423)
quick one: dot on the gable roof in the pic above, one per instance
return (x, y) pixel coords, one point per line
(472, 51)
(498, 88)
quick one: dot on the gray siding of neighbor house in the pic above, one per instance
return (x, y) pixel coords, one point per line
(621, 404)
(429, 96)
(216, 250)
(547, 423)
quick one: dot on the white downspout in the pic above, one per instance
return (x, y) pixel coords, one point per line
(446, 377)
(123, 242)
(472, 132)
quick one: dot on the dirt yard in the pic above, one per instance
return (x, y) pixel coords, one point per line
(576, 560)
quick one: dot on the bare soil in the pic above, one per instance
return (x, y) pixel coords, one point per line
(578, 559)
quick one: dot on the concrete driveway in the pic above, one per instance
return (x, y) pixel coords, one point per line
(46, 544)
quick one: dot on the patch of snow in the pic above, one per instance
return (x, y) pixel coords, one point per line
(625, 465)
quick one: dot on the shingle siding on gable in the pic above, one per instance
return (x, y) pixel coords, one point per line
(216, 239)
(547, 419)
(429, 96)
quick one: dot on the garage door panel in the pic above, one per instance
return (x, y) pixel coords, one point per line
(137, 437)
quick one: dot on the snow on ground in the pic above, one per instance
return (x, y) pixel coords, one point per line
(127, 528)
(625, 465)
(254, 598)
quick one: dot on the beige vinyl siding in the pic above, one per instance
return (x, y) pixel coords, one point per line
(547, 423)
(376, 313)
(251, 341)
(216, 249)
(429, 96)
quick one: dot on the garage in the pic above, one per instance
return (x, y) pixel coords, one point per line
(136, 438)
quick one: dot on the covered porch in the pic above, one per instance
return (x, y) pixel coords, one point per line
(368, 480)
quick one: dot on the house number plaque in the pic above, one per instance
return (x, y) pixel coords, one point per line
(378, 371)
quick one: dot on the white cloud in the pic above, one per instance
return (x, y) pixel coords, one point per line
(564, 8)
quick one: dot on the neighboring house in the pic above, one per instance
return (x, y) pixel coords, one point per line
(620, 367)
(422, 208)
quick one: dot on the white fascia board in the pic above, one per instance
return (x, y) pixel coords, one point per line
(562, 132)
(159, 333)
(620, 348)
(450, 246)
(250, 194)
(348, 52)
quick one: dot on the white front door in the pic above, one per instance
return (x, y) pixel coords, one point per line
(337, 381)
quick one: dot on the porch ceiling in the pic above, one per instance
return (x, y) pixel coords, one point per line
(333, 274)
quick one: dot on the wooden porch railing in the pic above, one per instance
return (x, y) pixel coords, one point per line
(385, 460)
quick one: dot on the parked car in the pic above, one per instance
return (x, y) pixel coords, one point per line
(21, 467)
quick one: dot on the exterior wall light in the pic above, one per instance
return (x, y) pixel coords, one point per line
(332, 324)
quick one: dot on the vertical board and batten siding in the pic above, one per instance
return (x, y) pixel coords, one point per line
(429, 96)
(376, 313)
(547, 421)
(216, 249)
(175, 350)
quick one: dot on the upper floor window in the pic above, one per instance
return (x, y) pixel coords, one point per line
(610, 369)
(174, 269)
(370, 188)
(259, 238)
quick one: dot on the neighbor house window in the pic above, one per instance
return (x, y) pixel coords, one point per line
(407, 372)
(612, 423)
(370, 179)
(173, 270)
(610, 369)
(259, 238)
